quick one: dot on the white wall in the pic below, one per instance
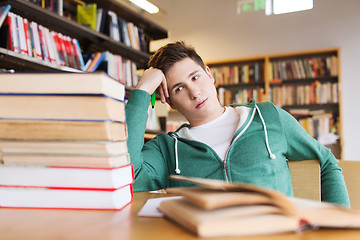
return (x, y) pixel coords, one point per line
(217, 32)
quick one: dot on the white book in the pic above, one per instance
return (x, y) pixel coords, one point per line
(50, 46)
(65, 177)
(19, 197)
(14, 33)
(114, 26)
(36, 37)
(22, 38)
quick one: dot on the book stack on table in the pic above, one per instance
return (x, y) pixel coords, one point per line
(63, 142)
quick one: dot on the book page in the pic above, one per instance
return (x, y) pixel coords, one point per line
(150, 208)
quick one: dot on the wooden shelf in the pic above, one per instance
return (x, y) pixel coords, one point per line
(305, 81)
(329, 107)
(242, 85)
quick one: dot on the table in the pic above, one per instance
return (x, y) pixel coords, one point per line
(125, 225)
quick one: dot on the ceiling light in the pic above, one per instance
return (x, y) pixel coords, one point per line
(146, 5)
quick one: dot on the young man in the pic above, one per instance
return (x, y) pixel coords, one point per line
(243, 143)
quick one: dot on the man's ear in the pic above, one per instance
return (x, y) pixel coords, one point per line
(208, 72)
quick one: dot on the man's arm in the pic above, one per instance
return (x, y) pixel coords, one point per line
(301, 146)
(148, 162)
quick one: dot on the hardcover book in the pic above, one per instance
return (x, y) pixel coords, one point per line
(65, 177)
(61, 107)
(66, 160)
(62, 130)
(97, 83)
(58, 198)
(92, 148)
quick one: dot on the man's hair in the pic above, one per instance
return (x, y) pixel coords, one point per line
(168, 55)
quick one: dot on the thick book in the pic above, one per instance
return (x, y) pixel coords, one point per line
(66, 160)
(62, 130)
(61, 107)
(97, 83)
(57, 198)
(65, 177)
(220, 209)
(100, 148)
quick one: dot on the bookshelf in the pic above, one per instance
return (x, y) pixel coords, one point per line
(89, 40)
(305, 83)
(239, 80)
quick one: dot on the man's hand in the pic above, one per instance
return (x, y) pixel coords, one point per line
(153, 79)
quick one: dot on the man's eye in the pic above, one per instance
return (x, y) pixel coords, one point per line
(178, 89)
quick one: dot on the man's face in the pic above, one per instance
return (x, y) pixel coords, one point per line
(192, 92)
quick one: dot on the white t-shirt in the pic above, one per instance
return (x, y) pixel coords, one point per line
(219, 132)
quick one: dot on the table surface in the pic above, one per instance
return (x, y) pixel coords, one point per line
(125, 225)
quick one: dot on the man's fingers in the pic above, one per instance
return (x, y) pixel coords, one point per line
(162, 96)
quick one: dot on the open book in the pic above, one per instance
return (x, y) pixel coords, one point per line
(220, 209)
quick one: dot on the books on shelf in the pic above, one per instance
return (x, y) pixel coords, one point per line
(306, 67)
(118, 29)
(29, 38)
(228, 96)
(238, 74)
(57, 152)
(122, 69)
(304, 94)
(220, 209)
(51, 5)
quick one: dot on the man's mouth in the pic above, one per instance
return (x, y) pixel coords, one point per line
(201, 104)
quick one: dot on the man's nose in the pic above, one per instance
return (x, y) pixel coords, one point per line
(194, 92)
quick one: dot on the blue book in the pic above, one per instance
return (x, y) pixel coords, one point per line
(4, 10)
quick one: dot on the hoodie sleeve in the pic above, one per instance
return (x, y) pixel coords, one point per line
(302, 146)
(149, 166)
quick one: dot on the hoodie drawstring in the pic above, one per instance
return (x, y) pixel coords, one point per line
(272, 156)
(177, 170)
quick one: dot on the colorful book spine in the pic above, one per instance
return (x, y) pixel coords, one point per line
(35, 40)
(4, 10)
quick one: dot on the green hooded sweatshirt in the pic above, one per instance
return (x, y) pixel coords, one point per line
(258, 153)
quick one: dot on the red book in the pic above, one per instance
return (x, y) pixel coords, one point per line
(44, 49)
(28, 37)
(27, 186)
(60, 198)
(65, 177)
(63, 48)
(58, 47)
(6, 37)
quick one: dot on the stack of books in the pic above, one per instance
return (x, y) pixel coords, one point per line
(63, 142)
